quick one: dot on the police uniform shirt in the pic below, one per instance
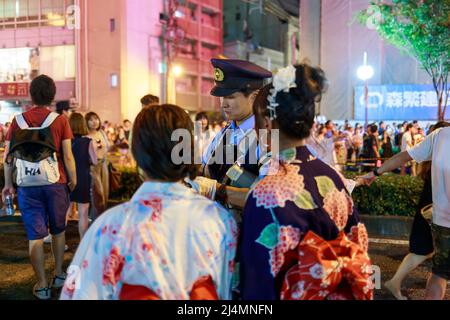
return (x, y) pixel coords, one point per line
(233, 135)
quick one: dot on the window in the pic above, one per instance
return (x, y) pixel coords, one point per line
(114, 80)
(22, 8)
(112, 25)
(53, 7)
(9, 9)
(33, 10)
(20, 11)
(18, 64)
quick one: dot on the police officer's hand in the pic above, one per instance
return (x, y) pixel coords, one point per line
(368, 179)
(204, 186)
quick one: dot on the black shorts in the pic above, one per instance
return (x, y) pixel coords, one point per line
(421, 239)
(441, 259)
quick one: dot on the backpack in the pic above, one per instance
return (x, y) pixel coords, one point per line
(35, 152)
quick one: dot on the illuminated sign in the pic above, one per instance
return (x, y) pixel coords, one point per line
(397, 102)
(10, 90)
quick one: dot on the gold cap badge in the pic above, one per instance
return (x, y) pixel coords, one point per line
(218, 75)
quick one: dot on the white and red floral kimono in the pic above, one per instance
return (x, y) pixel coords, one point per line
(166, 243)
(301, 236)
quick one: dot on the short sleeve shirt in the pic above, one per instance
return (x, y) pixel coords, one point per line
(369, 144)
(406, 141)
(60, 130)
(436, 148)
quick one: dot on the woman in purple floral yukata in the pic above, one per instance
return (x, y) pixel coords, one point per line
(167, 242)
(301, 235)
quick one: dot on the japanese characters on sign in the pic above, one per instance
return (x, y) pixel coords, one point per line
(397, 102)
(13, 90)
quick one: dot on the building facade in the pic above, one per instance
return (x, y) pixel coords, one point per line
(34, 39)
(106, 54)
(250, 28)
(201, 26)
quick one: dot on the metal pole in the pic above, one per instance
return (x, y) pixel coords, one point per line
(86, 57)
(165, 59)
(366, 100)
(366, 93)
(247, 55)
(78, 79)
(174, 88)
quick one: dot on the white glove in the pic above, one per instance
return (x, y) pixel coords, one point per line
(204, 186)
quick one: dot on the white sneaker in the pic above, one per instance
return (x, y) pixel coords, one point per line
(48, 239)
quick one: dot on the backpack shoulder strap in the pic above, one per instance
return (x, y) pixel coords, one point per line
(49, 120)
(21, 122)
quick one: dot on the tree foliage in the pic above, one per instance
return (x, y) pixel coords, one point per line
(421, 28)
(391, 194)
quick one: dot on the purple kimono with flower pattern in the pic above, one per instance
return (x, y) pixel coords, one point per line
(305, 195)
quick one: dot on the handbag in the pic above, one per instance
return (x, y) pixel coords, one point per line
(114, 178)
(427, 212)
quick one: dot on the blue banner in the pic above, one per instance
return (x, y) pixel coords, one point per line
(397, 102)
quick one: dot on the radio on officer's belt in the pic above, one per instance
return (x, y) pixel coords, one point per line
(240, 178)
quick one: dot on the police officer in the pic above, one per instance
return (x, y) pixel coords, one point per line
(231, 160)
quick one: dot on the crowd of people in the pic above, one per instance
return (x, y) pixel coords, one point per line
(346, 144)
(282, 228)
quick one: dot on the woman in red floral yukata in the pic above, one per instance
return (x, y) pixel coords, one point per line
(167, 242)
(301, 235)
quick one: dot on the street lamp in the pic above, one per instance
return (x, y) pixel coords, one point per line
(175, 72)
(365, 72)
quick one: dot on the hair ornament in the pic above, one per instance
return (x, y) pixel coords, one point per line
(283, 81)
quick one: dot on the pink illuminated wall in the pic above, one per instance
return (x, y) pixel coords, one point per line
(131, 50)
(140, 62)
(99, 58)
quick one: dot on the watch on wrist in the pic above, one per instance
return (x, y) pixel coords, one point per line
(221, 194)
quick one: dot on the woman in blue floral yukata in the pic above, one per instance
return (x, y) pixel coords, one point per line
(301, 235)
(167, 242)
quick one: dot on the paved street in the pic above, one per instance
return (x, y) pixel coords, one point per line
(16, 275)
(388, 258)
